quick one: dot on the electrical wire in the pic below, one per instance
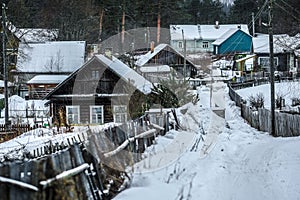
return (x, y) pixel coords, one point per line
(296, 18)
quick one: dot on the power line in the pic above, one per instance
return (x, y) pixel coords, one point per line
(291, 7)
(296, 18)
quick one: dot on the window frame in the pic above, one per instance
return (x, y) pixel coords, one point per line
(180, 44)
(73, 115)
(102, 114)
(115, 113)
(205, 44)
(266, 58)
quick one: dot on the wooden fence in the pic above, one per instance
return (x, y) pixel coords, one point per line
(12, 131)
(90, 166)
(286, 125)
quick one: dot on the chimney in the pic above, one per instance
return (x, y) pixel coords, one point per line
(152, 47)
(217, 26)
(108, 53)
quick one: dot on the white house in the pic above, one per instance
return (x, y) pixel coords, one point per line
(199, 38)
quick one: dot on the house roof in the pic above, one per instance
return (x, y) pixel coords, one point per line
(245, 58)
(62, 56)
(227, 35)
(282, 43)
(143, 59)
(127, 74)
(204, 32)
(47, 79)
(118, 67)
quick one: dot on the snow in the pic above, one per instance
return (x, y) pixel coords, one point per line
(17, 109)
(212, 158)
(241, 162)
(36, 35)
(47, 79)
(155, 68)
(127, 73)
(203, 32)
(287, 90)
(9, 84)
(282, 43)
(143, 59)
(62, 56)
(225, 36)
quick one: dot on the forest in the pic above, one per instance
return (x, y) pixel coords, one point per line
(96, 20)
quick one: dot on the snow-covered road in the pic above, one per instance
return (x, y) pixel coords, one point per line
(243, 164)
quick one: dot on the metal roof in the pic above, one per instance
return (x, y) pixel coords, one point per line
(47, 79)
(62, 56)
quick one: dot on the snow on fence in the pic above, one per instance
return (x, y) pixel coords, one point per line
(91, 166)
(287, 125)
(9, 132)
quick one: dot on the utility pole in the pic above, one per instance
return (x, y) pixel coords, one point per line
(253, 25)
(4, 65)
(184, 55)
(272, 67)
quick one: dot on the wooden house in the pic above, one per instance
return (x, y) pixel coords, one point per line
(164, 54)
(199, 38)
(233, 41)
(103, 90)
(285, 53)
(47, 58)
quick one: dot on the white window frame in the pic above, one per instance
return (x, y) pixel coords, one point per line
(72, 115)
(118, 115)
(267, 59)
(180, 44)
(205, 45)
(91, 115)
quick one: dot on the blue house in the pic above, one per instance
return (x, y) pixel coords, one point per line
(233, 41)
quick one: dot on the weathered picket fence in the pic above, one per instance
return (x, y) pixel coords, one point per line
(14, 130)
(90, 166)
(287, 125)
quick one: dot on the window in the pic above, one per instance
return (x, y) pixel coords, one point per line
(264, 62)
(73, 114)
(205, 45)
(95, 75)
(120, 114)
(96, 115)
(180, 45)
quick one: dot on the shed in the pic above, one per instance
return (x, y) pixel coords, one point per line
(40, 85)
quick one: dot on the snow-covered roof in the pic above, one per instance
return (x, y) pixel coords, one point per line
(155, 68)
(245, 58)
(36, 35)
(126, 73)
(226, 35)
(282, 43)
(143, 59)
(204, 32)
(62, 56)
(47, 79)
